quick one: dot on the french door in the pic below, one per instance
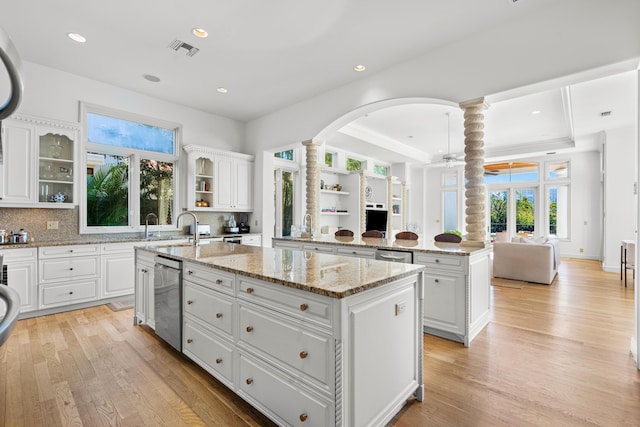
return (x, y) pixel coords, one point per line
(284, 193)
(513, 210)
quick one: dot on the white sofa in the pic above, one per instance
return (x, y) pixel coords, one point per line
(526, 260)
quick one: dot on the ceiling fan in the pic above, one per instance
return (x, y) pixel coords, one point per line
(449, 160)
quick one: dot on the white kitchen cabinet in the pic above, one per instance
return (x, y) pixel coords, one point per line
(117, 264)
(444, 302)
(218, 180)
(251, 239)
(68, 274)
(39, 163)
(22, 268)
(233, 183)
(144, 298)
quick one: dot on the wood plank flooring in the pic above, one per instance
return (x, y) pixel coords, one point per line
(553, 355)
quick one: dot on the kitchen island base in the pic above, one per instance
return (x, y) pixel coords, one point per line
(301, 357)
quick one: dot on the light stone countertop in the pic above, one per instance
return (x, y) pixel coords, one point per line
(323, 274)
(419, 245)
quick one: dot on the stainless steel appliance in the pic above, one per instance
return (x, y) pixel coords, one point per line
(232, 239)
(231, 227)
(167, 286)
(394, 256)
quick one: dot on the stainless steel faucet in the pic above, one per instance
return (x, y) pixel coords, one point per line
(146, 223)
(196, 237)
(307, 220)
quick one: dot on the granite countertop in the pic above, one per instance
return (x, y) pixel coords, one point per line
(419, 245)
(111, 238)
(328, 275)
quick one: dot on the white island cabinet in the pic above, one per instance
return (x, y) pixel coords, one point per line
(292, 333)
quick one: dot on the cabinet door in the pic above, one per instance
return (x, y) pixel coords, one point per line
(244, 185)
(21, 276)
(18, 185)
(224, 185)
(144, 301)
(444, 302)
(56, 173)
(118, 271)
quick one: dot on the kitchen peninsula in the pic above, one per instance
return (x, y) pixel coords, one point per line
(304, 337)
(456, 282)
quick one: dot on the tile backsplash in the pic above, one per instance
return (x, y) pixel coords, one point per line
(34, 221)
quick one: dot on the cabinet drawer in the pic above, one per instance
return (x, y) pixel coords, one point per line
(112, 248)
(209, 277)
(448, 262)
(277, 395)
(286, 245)
(305, 350)
(146, 258)
(318, 248)
(68, 269)
(216, 311)
(68, 251)
(26, 254)
(360, 253)
(214, 355)
(303, 305)
(68, 293)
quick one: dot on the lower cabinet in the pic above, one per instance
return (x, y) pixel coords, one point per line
(22, 275)
(252, 239)
(117, 262)
(302, 358)
(444, 303)
(144, 301)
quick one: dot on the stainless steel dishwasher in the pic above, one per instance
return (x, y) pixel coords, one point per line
(167, 291)
(394, 256)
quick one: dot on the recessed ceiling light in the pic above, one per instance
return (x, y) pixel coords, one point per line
(199, 32)
(359, 68)
(151, 78)
(222, 89)
(536, 112)
(410, 136)
(76, 37)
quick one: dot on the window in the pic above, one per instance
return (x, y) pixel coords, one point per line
(450, 213)
(353, 164)
(510, 172)
(328, 158)
(525, 211)
(557, 170)
(131, 170)
(287, 154)
(380, 170)
(558, 210)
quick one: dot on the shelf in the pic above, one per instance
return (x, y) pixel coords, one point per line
(204, 176)
(51, 159)
(339, 193)
(395, 214)
(204, 192)
(335, 171)
(55, 181)
(334, 213)
(396, 198)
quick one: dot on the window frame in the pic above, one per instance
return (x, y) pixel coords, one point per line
(134, 156)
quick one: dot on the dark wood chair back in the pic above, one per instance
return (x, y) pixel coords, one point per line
(372, 233)
(407, 235)
(448, 237)
(347, 233)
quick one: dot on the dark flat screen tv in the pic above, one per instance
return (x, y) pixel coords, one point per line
(376, 220)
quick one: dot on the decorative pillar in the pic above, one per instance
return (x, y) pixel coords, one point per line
(362, 210)
(313, 185)
(475, 190)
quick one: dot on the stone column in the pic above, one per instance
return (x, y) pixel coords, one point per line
(313, 184)
(475, 190)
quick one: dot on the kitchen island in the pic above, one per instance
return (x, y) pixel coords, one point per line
(306, 338)
(457, 281)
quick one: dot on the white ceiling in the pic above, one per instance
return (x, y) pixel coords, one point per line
(271, 54)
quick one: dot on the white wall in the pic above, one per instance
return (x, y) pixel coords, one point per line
(508, 57)
(55, 94)
(621, 203)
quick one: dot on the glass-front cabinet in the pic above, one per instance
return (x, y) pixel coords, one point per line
(218, 180)
(55, 168)
(39, 163)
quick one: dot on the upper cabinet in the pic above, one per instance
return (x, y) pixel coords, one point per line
(39, 163)
(218, 180)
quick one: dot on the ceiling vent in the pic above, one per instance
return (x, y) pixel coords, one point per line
(605, 113)
(179, 44)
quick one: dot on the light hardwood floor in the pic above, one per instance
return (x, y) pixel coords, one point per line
(551, 356)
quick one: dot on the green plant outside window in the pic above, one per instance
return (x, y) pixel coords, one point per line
(353, 164)
(380, 170)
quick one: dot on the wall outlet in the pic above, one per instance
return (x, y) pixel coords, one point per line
(581, 250)
(52, 225)
(401, 308)
(256, 222)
